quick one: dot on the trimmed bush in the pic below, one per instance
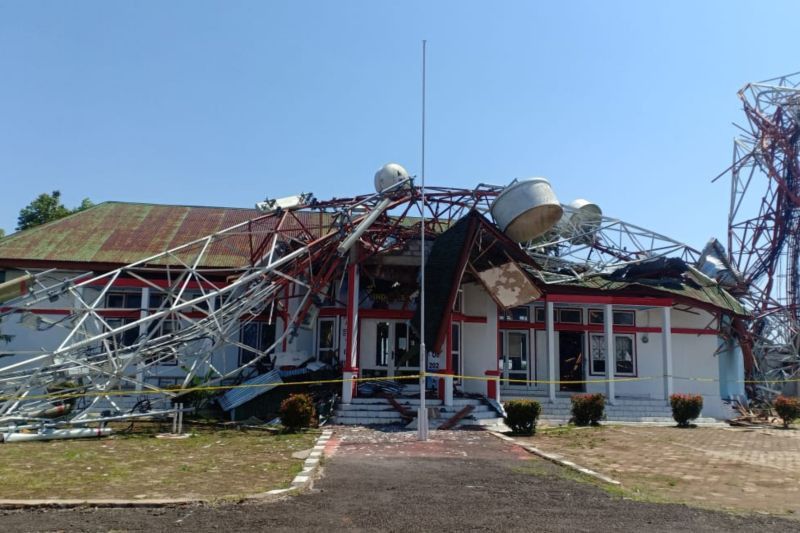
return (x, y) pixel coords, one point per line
(788, 408)
(521, 416)
(588, 409)
(685, 408)
(297, 411)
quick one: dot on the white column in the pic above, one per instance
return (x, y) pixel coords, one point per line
(666, 350)
(347, 387)
(611, 359)
(551, 350)
(448, 390)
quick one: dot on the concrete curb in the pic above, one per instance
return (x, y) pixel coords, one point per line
(303, 480)
(557, 459)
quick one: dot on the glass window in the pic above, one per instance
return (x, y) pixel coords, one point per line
(458, 305)
(596, 316)
(455, 342)
(382, 344)
(570, 316)
(623, 346)
(124, 338)
(624, 355)
(258, 335)
(624, 318)
(521, 314)
(540, 314)
(621, 318)
(124, 300)
(327, 340)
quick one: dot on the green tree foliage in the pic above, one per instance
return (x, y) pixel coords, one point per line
(46, 208)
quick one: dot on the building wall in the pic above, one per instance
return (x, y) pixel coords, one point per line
(479, 341)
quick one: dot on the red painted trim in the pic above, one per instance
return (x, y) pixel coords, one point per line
(470, 319)
(695, 331)
(388, 314)
(619, 300)
(137, 283)
(327, 312)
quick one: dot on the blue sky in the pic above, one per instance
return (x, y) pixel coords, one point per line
(628, 104)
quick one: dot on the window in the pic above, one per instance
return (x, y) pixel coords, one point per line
(520, 314)
(458, 305)
(539, 314)
(123, 338)
(570, 316)
(620, 318)
(158, 298)
(624, 355)
(257, 335)
(124, 300)
(455, 344)
(326, 341)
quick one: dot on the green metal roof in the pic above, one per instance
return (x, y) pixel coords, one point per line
(122, 233)
(700, 290)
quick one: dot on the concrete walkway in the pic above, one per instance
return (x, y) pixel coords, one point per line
(375, 481)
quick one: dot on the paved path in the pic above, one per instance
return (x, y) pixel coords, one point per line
(458, 481)
(741, 469)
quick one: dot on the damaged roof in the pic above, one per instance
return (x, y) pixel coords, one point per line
(666, 276)
(119, 233)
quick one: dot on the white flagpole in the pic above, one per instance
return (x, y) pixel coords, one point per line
(422, 415)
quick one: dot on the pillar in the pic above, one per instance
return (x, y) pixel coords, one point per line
(611, 358)
(666, 350)
(549, 318)
(351, 349)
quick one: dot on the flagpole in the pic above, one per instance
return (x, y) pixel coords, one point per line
(422, 415)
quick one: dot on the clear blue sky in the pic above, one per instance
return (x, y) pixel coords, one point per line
(628, 104)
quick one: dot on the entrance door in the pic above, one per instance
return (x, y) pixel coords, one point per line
(514, 359)
(571, 359)
(396, 348)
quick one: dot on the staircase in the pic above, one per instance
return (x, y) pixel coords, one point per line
(372, 411)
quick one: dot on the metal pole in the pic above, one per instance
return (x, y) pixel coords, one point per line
(422, 415)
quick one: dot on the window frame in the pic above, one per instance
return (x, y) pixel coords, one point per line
(602, 344)
(615, 315)
(259, 335)
(507, 315)
(560, 310)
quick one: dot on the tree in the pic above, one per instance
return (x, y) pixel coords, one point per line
(2, 233)
(46, 208)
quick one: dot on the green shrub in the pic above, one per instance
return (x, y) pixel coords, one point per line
(297, 411)
(788, 408)
(521, 415)
(685, 408)
(588, 409)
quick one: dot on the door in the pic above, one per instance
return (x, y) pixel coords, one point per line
(514, 357)
(395, 348)
(571, 360)
(327, 341)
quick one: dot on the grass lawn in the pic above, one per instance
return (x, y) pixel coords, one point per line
(210, 464)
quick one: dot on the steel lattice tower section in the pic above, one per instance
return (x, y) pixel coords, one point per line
(763, 225)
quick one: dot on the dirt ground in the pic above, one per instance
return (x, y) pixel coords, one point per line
(739, 469)
(207, 465)
(378, 481)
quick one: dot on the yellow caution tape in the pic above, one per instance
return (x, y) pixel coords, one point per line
(154, 391)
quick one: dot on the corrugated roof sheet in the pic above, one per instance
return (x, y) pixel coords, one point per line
(122, 233)
(703, 292)
(253, 388)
